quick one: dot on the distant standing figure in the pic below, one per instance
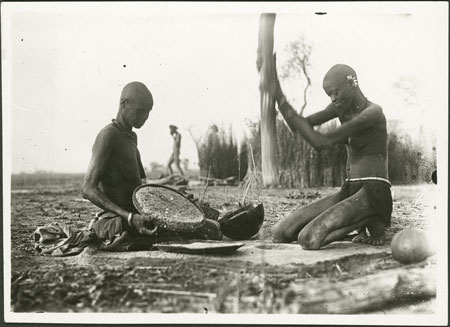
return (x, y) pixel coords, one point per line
(175, 156)
(213, 152)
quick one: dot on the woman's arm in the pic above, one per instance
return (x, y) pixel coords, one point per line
(365, 119)
(322, 116)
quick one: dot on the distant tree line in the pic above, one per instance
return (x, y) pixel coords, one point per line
(409, 161)
(302, 166)
(44, 179)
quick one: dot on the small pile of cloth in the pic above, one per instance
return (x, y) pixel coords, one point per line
(59, 239)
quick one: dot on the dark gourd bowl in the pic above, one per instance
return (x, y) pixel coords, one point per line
(244, 223)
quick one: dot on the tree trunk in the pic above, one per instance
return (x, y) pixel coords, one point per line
(371, 292)
(265, 63)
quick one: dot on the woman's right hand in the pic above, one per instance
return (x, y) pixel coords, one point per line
(143, 224)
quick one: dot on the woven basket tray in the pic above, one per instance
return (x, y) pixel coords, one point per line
(169, 209)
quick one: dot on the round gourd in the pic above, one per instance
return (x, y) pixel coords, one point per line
(410, 245)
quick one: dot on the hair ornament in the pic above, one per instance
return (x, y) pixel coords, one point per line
(352, 80)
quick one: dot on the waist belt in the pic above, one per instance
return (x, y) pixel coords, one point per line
(362, 179)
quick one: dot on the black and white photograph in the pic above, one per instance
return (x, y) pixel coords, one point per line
(225, 162)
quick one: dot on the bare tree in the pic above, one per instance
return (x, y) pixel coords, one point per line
(298, 64)
(197, 140)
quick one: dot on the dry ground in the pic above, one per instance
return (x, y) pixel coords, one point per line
(53, 284)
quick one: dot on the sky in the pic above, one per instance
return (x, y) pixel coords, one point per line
(64, 65)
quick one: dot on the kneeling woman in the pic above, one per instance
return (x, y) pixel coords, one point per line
(364, 201)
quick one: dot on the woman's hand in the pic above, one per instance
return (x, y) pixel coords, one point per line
(143, 224)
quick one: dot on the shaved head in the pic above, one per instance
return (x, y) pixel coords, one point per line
(339, 74)
(341, 85)
(137, 92)
(136, 102)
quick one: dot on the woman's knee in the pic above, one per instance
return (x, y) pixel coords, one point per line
(278, 234)
(308, 240)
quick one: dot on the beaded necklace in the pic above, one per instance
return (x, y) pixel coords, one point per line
(127, 133)
(364, 106)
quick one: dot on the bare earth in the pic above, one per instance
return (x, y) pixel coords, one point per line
(156, 281)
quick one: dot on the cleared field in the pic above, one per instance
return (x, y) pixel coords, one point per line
(54, 284)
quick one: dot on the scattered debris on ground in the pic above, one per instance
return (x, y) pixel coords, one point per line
(202, 284)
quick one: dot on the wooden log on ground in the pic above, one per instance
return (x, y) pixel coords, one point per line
(371, 292)
(265, 64)
(181, 293)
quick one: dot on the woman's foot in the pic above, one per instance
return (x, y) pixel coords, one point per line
(376, 230)
(361, 237)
